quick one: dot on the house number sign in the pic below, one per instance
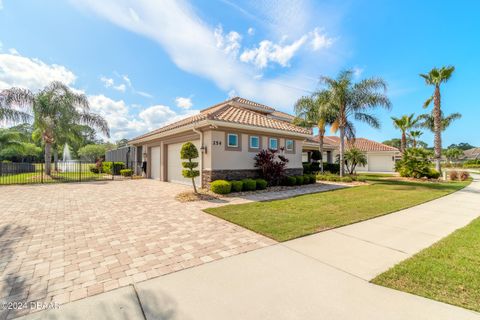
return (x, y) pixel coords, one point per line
(217, 142)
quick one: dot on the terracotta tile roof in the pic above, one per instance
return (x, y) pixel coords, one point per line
(362, 144)
(238, 115)
(231, 112)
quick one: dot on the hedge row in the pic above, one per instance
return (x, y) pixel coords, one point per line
(224, 186)
(337, 178)
(314, 167)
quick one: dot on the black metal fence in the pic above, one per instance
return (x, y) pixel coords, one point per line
(68, 171)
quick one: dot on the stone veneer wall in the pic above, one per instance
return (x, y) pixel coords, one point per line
(209, 175)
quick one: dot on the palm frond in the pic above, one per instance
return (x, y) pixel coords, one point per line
(369, 119)
(95, 121)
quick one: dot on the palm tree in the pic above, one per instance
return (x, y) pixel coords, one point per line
(435, 78)
(404, 123)
(415, 135)
(56, 109)
(349, 99)
(311, 112)
(427, 121)
(8, 110)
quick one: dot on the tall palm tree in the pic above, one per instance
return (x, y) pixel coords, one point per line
(55, 110)
(8, 110)
(427, 121)
(404, 123)
(349, 99)
(435, 78)
(311, 112)
(415, 135)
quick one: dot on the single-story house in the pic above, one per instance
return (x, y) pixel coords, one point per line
(380, 157)
(471, 154)
(228, 135)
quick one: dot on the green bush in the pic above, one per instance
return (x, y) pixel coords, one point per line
(306, 179)
(471, 166)
(221, 186)
(261, 184)
(331, 167)
(112, 167)
(333, 178)
(237, 186)
(93, 168)
(314, 167)
(415, 163)
(433, 174)
(126, 172)
(249, 185)
(299, 180)
(360, 178)
(346, 179)
(289, 181)
(313, 178)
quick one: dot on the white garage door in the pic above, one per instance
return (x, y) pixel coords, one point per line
(381, 163)
(174, 164)
(155, 163)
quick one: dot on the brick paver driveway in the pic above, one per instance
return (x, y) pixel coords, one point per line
(64, 242)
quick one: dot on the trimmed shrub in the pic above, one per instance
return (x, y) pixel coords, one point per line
(453, 175)
(346, 179)
(360, 178)
(464, 175)
(221, 186)
(299, 180)
(415, 163)
(237, 186)
(433, 174)
(331, 167)
(126, 172)
(93, 168)
(249, 185)
(289, 181)
(306, 179)
(261, 184)
(112, 167)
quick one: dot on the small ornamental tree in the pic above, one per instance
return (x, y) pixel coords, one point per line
(189, 152)
(353, 158)
(272, 165)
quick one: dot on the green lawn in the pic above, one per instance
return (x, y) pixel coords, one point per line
(448, 271)
(295, 217)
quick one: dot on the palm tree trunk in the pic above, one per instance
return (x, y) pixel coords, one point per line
(404, 142)
(437, 122)
(342, 150)
(48, 158)
(414, 142)
(321, 134)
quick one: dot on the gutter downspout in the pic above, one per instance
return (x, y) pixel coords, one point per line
(201, 152)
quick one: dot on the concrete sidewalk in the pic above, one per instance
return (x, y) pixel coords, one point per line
(323, 276)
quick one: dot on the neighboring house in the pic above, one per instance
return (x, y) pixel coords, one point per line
(471, 154)
(227, 135)
(380, 157)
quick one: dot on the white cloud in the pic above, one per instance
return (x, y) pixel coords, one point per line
(124, 124)
(31, 73)
(357, 72)
(267, 51)
(120, 87)
(1, 4)
(184, 103)
(108, 82)
(251, 31)
(320, 40)
(192, 46)
(229, 43)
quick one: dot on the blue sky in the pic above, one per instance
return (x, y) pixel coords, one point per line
(144, 63)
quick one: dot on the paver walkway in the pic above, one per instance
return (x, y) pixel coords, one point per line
(65, 242)
(323, 276)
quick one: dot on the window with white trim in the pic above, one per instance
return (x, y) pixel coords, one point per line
(232, 140)
(273, 143)
(254, 142)
(289, 145)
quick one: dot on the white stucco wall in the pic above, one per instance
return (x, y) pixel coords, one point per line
(219, 158)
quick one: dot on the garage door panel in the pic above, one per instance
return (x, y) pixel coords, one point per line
(174, 164)
(381, 163)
